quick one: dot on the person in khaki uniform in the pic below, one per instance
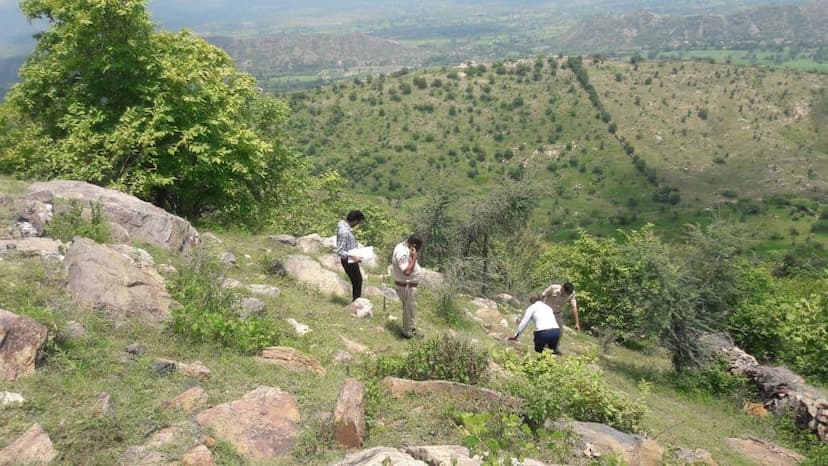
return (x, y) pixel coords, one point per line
(557, 296)
(406, 275)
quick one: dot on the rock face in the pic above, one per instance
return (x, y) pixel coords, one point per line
(600, 439)
(262, 425)
(33, 447)
(292, 359)
(189, 401)
(142, 220)
(198, 456)
(459, 391)
(103, 277)
(349, 415)
(21, 339)
(764, 453)
(310, 272)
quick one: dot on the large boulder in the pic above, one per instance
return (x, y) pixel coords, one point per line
(21, 339)
(349, 415)
(143, 221)
(103, 277)
(262, 425)
(307, 270)
(454, 455)
(764, 453)
(379, 456)
(292, 359)
(458, 391)
(45, 247)
(600, 439)
(33, 447)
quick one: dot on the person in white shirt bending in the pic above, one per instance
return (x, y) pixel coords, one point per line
(547, 331)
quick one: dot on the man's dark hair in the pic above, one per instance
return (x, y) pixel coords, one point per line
(568, 287)
(355, 216)
(415, 241)
(535, 298)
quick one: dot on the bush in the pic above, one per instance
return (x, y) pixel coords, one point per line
(444, 358)
(74, 222)
(713, 380)
(207, 310)
(555, 388)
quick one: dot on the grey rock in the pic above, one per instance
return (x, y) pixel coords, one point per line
(264, 290)
(228, 258)
(136, 350)
(10, 399)
(251, 307)
(163, 367)
(287, 240)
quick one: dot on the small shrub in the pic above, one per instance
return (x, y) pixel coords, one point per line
(555, 388)
(443, 358)
(65, 226)
(206, 314)
(713, 380)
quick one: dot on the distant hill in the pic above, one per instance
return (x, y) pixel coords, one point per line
(699, 135)
(763, 26)
(297, 53)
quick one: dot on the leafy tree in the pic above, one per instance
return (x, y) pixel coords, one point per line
(164, 116)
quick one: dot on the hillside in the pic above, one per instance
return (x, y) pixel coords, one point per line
(759, 27)
(712, 135)
(114, 385)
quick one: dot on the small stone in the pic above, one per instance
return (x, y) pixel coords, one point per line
(228, 258)
(300, 328)
(9, 399)
(163, 367)
(208, 441)
(196, 370)
(251, 306)
(361, 308)
(264, 290)
(72, 331)
(136, 350)
(198, 456)
(105, 405)
(342, 357)
(167, 269)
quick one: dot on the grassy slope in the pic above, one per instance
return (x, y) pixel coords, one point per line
(762, 135)
(61, 395)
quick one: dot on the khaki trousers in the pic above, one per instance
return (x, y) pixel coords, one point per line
(408, 298)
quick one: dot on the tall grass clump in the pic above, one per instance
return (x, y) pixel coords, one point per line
(443, 358)
(553, 388)
(208, 310)
(75, 222)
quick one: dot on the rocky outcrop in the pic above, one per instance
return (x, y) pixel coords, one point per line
(44, 247)
(458, 391)
(21, 339)
(262, 425)
(307, 270)
(781, 388)
(198, 456)
(454, 455)
(32, 219)
(143, 221)
(291, 359)
(599, 439)
(102, 277)
(33, 447)
(349, 415)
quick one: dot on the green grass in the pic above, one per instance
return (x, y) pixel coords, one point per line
(61, 395)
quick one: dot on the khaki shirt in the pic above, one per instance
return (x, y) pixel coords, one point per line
(400, 260)
(555, 298)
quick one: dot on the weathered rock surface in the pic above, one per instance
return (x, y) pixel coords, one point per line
(310, 244)
(262, 425)
(105, 278)
(349, 415)
(291, 358)
(764, 453)
(251, 307)
(351, 345)
(33, 447)
(104, 404)
(781, 388)
(264, 290)
(288, 240)
(695, 457)
(455, 455)
(306, 270)
(45, 247)
(196, 370)
(21, 339)
(10, 399)
(600, 439)
(198, 456)
(189, 401)
(379, 456)
(362, 308)
(459, 391)
(142, 220)
(36, 214)
(300, 328)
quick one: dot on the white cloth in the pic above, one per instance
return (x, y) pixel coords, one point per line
(400, 260)
(542, 314)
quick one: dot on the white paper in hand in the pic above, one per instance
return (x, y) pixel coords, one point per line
(366, 253)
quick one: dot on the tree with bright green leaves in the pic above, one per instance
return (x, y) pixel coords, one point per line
(165, 116)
